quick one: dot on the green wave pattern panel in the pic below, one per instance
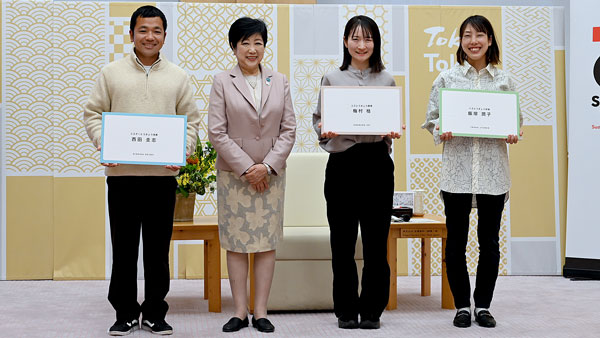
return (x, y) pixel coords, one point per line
(528, 56)
(203, 43)
(28, 78)
(382, 16)
(78, 55)
(305, 87)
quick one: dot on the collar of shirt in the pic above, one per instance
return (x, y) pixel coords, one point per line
(361, 73)
(467, 66)
(136, 60)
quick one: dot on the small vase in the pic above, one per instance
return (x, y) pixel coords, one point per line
(184, 207)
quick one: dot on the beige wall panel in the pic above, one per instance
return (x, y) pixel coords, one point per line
(191, 261)
(283, 41)
(224, 271)
(400, 145)
(425, 67)
(171, 260)
(561, 134)
(532, 194)
(29, 228)
(125, 9)
(402, 254)
(79, 228)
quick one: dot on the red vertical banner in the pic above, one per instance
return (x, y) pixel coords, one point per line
(596, 34)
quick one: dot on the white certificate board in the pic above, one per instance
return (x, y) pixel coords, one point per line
(368, 110)
(479, 113)
(150, 139)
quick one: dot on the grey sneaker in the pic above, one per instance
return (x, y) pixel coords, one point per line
(158, 326)
(123, 327)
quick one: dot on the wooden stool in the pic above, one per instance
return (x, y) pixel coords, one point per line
(425, 228)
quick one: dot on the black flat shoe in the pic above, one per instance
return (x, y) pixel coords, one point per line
(347, 324)
(235, 324)
(485, 319)
(369, 324)
(262, 324)
(462, 319)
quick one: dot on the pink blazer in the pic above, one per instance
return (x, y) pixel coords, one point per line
(240, 136)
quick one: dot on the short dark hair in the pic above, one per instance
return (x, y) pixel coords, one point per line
(369, 28)
(147, 12)
(244, 28)
(481, 24)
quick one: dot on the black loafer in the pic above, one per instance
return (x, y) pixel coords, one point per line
(235, 324)
(370, 324)
(462, 319)
(485, 319)
(262, 324)
(347, 324)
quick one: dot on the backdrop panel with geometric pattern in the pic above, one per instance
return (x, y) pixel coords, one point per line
(53, 51)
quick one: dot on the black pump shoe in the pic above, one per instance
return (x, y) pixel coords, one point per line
(235, 324)
(262, 324)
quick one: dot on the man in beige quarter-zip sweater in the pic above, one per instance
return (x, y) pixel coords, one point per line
(141, 197)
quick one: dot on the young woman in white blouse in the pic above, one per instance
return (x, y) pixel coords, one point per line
(351, 200)
(475, 173)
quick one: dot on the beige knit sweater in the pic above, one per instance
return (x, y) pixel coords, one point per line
(124, 87)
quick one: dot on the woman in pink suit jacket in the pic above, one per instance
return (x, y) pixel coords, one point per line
(252, 126)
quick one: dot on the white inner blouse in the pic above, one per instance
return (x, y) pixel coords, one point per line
(255, 87)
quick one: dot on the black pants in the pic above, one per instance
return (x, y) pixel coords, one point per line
(489, 212)
(359, 188)
(140, 203)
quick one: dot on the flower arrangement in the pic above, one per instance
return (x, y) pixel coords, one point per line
(198, 175)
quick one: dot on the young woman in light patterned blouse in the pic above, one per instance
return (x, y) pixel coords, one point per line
(475, 173)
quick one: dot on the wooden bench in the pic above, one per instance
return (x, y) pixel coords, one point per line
(205, 228)
(425, 229)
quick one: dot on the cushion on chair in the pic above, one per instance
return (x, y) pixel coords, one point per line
(303, 285)
(308, 243)
(304, 194)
